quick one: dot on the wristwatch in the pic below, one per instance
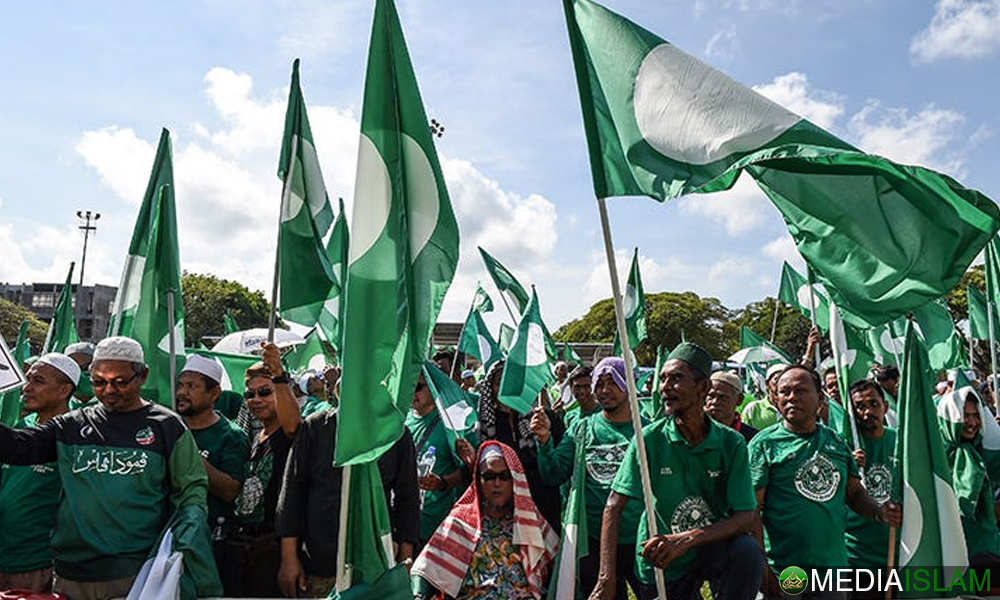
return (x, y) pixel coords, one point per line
(283, 378)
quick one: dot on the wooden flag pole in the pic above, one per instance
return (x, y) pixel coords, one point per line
(286, 192)
(343, 577)
(891, 561)
(812, 313)
(171, 324)
(774, 321)
(633, 401)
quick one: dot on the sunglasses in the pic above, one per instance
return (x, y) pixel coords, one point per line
(118, 384)
(263, 392)
(420, 386)
(488, 476)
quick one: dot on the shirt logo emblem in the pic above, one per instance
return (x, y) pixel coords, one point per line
(145, 436)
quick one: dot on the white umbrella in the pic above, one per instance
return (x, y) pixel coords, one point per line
(755, 354)
(248, 341)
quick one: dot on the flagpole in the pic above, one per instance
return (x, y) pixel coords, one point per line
(343, 578)
(503, 297)
(286, 191)
(774, 322)
(993, 349)
(895, 353)
(173, 349)
(633, 401)
(842, 383)
(812, 313)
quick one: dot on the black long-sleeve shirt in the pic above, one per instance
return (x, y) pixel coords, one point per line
(309, 504)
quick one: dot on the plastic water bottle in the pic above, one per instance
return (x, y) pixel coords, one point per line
(425, 466)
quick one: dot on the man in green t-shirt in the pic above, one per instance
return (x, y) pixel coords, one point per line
(223, 445)
(448, 477)
(868, 541)
(29, 495)
(605, 438)
(803, 474)
(704, 502)
(763, 413)
(128, 467)
(584, 401)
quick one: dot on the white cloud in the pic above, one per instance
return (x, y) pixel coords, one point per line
(783, 249)
(723, 44)
(922, 139)
(228, 192)
(792, 91)
(964, 29)
(740, 209)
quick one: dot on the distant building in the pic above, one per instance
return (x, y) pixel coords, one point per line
(92, 308)
(448, 334)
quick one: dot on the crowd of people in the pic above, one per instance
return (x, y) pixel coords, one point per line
(742, 487)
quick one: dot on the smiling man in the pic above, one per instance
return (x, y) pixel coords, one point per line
(127, 467)
(29, 495)
(804, 474)
(701, 483)
(604, 438)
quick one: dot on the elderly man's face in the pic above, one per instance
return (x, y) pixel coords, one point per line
(798, 398)
(679, 390)
(721, 401)
(117, 385)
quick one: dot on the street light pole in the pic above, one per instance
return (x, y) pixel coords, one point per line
(87, 217)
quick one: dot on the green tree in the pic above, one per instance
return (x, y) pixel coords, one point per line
(11, 315)
(206, 300)
(669, 317)
(958, 303)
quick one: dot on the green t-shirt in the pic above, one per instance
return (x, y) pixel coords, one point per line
(868, 540)
(577, 414)
(29, 497)
(437, 504)
(313, 405)
(760, 414)
(605, 445)
(225, 446)
(693, 486)
(806, 480)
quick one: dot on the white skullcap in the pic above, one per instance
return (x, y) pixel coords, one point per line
(62, 363)
(119, 348)
(774, 370)
(206, 366)
(728, 378)
(79, 348)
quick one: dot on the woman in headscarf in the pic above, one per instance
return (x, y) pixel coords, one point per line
(972, 443)
(494, 544)
(503, 424)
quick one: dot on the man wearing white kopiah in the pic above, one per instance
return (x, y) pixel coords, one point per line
(127, 467)
(29, 495)
(803, 474)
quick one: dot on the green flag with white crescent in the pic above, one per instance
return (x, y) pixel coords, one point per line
(795, 291)
(635, 305)
(931, 534)
(527, 370)
(482, 302)
(311, 355)
(304, 272)
(476, 341)
(234, 367)
(10, 401)
(979, 326)
(152, 274)
(661, 123)
(750, 339)
(506, 337)
(457, 413)
(574, 540)
(337, 248)
(403, 250)
(62, 327)
(505, 281)
(944, 345)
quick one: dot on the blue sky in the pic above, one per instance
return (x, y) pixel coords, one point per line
(87, 85)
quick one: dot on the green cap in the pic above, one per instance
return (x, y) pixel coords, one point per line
(694, 355)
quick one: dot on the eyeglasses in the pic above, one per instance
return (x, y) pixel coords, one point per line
(420, 386)
(263, 392)
(118, 384)
(488, 476)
